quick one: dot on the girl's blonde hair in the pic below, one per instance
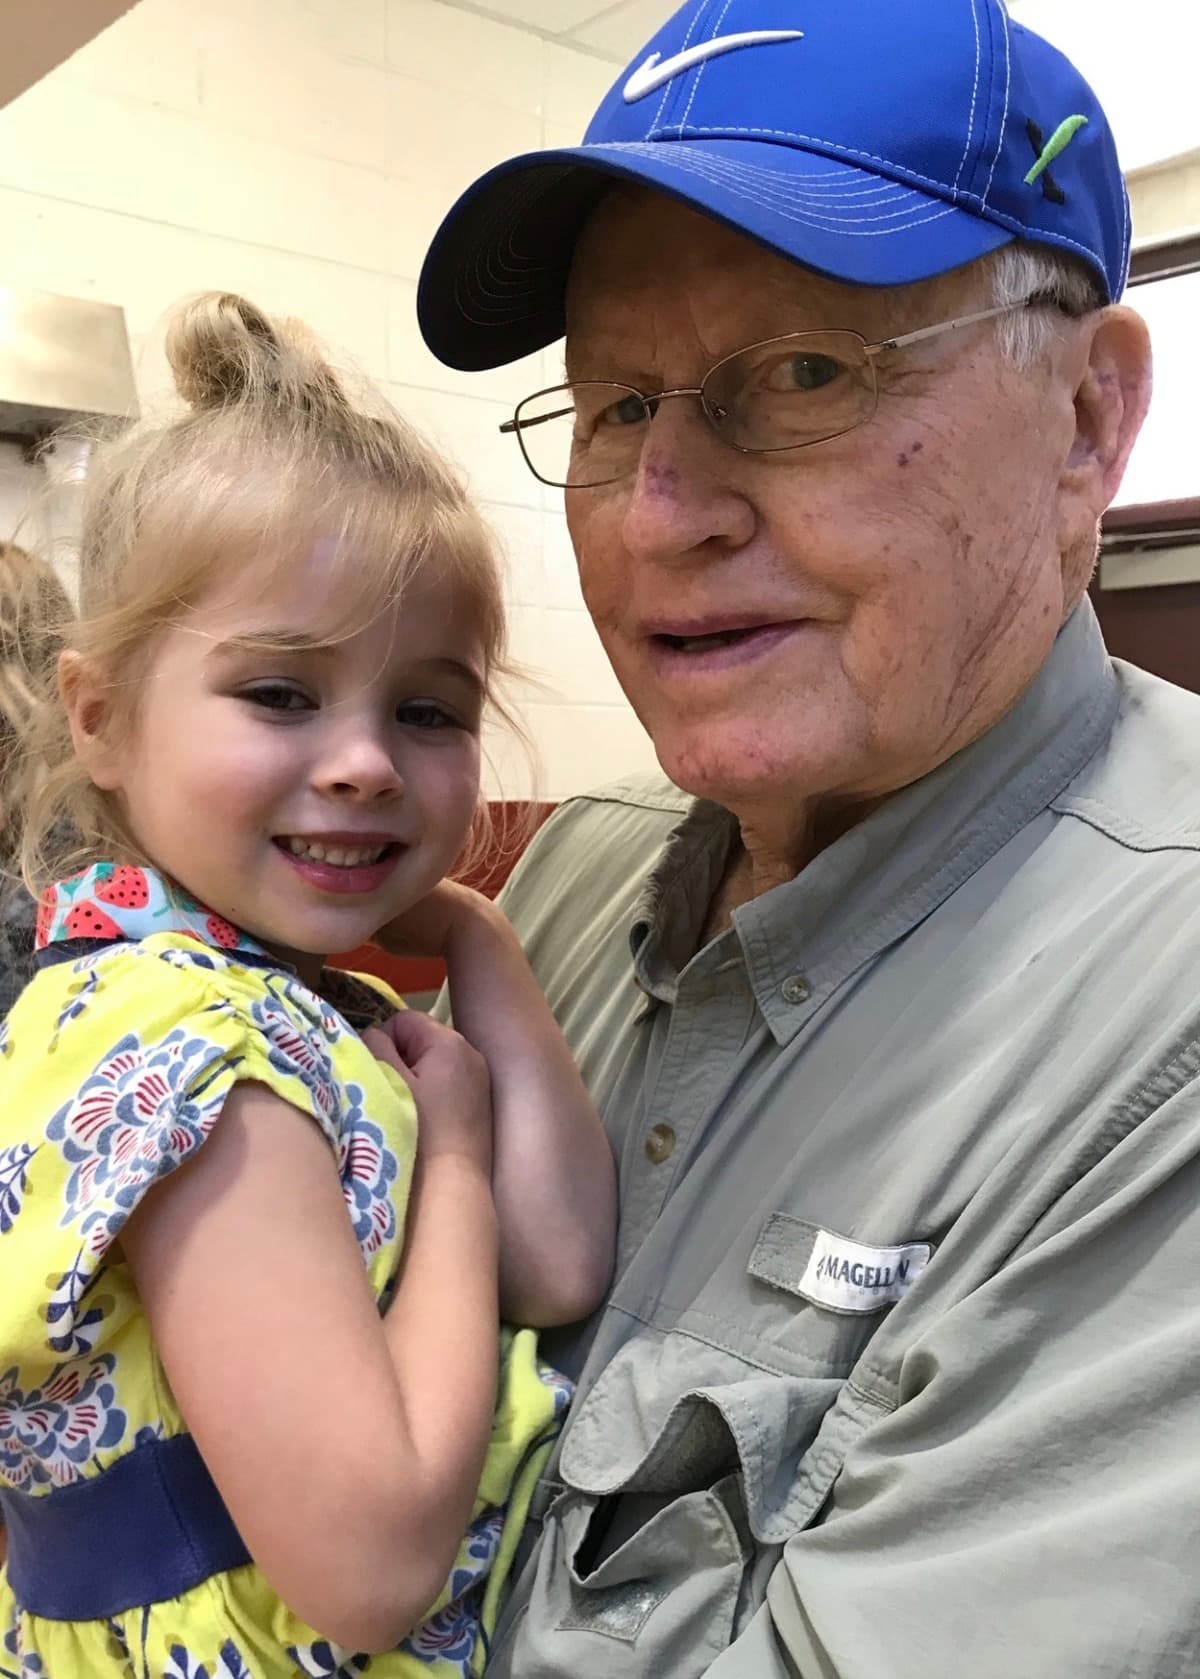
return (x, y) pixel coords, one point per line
(34, 612)
(273, 449)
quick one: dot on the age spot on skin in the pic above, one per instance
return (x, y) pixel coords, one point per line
(903, 459)
(663, 480)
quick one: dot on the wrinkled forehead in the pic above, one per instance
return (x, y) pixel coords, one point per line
(648, 268)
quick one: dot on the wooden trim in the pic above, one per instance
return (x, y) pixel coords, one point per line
(1165, 260)
(1153, 518)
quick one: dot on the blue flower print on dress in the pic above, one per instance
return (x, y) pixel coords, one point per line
(14, 1172)
(561, 1388)
(135, 1118)
(323, 1660)
(452, 1634)
(302, 1053)
(73, 1327)
(10, 1652)
(368, 1170)
(29, 1664)
(49, 1433)
(82, 989)
(230, 1664)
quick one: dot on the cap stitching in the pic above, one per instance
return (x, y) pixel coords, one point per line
(729, 130)
(852, 226)
(683, 121)
(687, 41)
(1127, 239)
(1007, 92)
(719, 169)
(661, 152)
(974, 92)
(813, 182)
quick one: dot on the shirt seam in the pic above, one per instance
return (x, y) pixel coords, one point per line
(1123, 830)
(630, 803)
(810, 1367)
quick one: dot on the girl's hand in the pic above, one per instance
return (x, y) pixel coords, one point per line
(449, 1081)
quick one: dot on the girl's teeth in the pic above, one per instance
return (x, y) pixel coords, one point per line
(340, 856)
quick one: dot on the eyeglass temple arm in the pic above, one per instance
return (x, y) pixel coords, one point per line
(538, 420)
(1039, 300)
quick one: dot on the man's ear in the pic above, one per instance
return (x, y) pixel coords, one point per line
(1113, 378)
(86, 698)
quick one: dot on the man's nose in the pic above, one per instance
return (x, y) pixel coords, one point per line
(684, 495)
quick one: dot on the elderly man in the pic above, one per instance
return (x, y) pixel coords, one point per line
(888, 991)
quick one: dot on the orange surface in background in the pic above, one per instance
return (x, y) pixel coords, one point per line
(515, 826)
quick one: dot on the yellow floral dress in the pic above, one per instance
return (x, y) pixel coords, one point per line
(114, 1066)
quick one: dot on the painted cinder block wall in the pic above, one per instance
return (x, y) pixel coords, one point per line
(302, 152)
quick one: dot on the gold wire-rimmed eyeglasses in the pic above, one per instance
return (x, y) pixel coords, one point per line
(779, 394)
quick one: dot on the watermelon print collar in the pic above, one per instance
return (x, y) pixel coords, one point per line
(119, 902)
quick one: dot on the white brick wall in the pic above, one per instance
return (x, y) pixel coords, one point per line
(302, 152)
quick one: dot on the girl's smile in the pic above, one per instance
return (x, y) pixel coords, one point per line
(308, 785)
(342, 862)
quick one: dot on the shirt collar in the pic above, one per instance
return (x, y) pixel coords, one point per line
(120, 902)
(873, 885)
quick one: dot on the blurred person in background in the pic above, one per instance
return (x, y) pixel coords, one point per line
(34, 611)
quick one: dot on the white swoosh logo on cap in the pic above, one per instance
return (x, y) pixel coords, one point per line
(656, 71)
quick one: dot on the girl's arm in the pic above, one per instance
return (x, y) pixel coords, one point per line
(553, 1175)
(347, 1450)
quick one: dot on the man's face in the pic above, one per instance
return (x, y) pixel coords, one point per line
(893, 590)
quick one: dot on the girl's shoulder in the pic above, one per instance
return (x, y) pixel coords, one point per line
(172, 1005)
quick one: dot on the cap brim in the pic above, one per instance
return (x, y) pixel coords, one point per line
(493, 285)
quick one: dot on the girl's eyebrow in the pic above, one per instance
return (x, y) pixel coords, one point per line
(285, 641)
(457, 667)
(269, 641)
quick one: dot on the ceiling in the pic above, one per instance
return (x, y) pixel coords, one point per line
(36, 38)
(613, 30)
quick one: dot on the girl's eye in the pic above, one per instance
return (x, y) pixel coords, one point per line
(277, 696)
(424, 714)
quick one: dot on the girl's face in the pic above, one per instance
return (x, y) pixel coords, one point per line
(306, 792)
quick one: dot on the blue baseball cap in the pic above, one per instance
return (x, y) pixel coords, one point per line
(880, 142)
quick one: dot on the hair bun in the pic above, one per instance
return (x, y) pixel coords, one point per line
(222, 350)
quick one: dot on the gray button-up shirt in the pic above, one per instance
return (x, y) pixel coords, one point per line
(900, 1375)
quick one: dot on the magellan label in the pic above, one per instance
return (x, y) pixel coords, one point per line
(848, 1276)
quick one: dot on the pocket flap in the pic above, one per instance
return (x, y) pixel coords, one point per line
(832, 1271)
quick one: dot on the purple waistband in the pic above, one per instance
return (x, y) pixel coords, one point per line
(149, 1528)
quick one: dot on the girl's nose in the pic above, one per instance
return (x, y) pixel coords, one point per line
(360, 766)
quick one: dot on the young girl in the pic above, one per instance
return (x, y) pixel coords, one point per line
(250, 1420)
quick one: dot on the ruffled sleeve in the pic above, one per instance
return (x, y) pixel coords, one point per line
(120, 1066)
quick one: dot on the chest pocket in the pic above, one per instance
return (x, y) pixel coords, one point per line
(722, 1423)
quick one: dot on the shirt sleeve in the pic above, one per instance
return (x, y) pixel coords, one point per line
(1028, 1505)
(127, 1062)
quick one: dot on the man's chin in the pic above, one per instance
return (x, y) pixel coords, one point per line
(746, 764)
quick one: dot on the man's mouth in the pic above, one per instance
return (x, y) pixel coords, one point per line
(714, 638)
(723, 643)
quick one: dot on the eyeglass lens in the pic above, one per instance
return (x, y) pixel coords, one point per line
(782, 394)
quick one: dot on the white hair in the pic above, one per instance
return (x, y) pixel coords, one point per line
(1023, 270)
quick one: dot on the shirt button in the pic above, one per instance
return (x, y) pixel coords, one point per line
(795, 989)
(660, 1144)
